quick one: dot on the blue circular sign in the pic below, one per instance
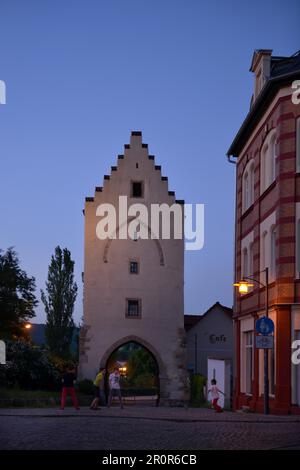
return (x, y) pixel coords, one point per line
(264, 326)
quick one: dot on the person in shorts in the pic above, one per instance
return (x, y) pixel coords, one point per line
(114, 387)
(215, 395)
(98, 379)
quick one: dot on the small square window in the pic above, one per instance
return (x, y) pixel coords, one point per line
(133, 267)
(133, 308)
(137, 189)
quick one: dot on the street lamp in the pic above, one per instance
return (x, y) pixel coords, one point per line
(28, 326)
(243, 287)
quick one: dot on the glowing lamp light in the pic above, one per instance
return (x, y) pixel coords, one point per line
(28, 326)
(243, 286)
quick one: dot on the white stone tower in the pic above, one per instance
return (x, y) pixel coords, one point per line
(133, 289)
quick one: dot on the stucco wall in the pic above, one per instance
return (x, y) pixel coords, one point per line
(214, 335)
(159, 284)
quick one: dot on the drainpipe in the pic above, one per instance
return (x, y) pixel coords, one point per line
(233, 159)
(230, 157)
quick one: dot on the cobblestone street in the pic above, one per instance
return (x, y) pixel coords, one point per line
(144, 428)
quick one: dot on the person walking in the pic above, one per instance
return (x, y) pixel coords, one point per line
(99, 380)
(68, 387)
(215, 395)
(114, 387)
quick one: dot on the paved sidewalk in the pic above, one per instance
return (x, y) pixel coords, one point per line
(151, 413)
(146, 428)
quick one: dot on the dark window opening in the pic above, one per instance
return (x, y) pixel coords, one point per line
(134, 267)
(137, 189)
(133, 308)
(136, 165)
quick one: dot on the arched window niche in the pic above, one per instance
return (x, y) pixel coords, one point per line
(248, 185)
(268, 161)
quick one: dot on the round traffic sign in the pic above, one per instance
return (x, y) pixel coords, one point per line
(264, 326)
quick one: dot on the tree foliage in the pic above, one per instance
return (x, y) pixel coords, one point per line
(29, 367)
(59, 302)
(17, 298)
(142, 369)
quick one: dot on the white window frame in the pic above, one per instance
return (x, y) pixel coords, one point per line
(272, 370)
(268, 161)
(273, 253)
(298, 145)
(266, 228)
(297, 236)
(246, 243)
(298, 248)
(249, 360)
(245, 263)
(264, 250)
(251, 260)
(273, 157)
(248, 186)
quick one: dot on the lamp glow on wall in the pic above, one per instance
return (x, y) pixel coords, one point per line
(243, 286)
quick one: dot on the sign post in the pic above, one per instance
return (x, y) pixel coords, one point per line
(265, 340)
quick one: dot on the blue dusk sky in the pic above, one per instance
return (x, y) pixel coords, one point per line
(80, 75)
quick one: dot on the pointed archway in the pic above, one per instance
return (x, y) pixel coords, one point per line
(139, 343)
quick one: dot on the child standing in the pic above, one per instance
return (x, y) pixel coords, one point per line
(215, 395)
(114, 387)
(98, 382)
(68, 381)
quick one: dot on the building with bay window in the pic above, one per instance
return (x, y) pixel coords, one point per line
(266, 151)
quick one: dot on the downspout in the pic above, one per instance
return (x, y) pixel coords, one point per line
(230, 157)
(235, 362)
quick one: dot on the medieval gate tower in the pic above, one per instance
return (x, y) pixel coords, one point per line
(133, 288)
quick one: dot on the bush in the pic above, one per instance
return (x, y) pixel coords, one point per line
(144, 381)
(198, 383)
(29, 367)
(86, 387)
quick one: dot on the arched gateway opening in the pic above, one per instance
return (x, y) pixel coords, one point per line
(139, 371)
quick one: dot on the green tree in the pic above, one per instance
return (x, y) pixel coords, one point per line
(141, 366)
(17, 299)
(59, 302)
